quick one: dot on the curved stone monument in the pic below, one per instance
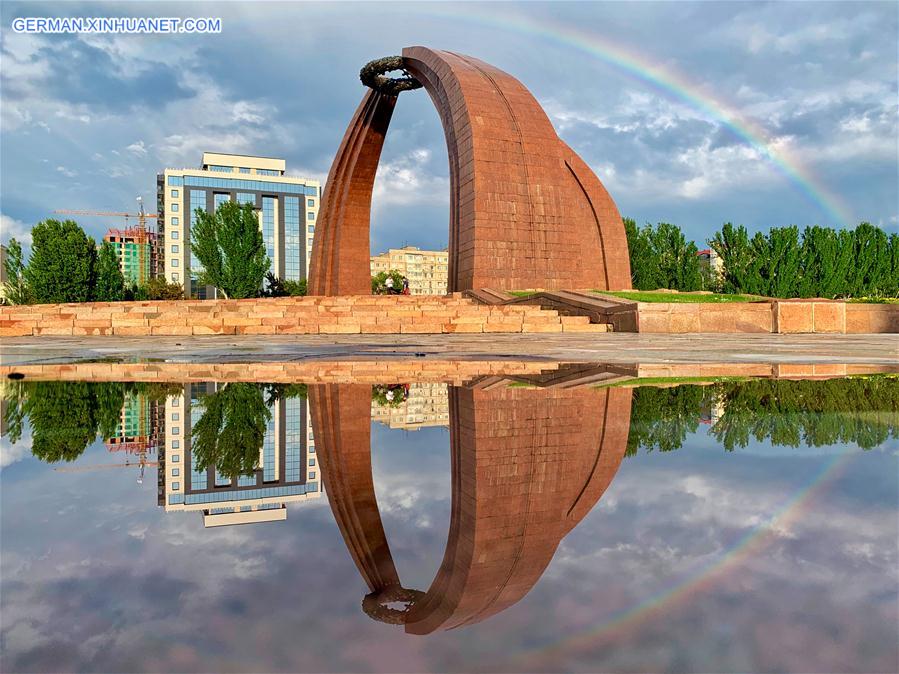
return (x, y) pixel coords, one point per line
(527, 465)
(525, 211)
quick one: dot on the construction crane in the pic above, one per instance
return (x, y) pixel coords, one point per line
(146, 240)
(104, 466)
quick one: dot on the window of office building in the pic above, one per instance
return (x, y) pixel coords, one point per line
(175, 262)
(174, 249)
(310, 215)
(292, 439)
(221, 169)
(310, 203)
(220, 199)
(175, 193)
(240, 184)
(292, 238)
(268, 226)
(174, 234)
(175, 181)
(174, 208)
(269, 473)
(311, 228)
(267, 172)
(246, 198)
(175, 277)
(244, 169)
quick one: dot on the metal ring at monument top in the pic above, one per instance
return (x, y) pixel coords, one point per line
(375, 604)
(372, 76)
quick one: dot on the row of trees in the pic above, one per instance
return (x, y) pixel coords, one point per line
(863, 411)
(661, 257)
(784, 262)
(66, 265)
(819, 262)
(66, 417)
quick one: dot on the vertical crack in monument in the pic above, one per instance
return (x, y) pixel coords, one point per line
(525, 210)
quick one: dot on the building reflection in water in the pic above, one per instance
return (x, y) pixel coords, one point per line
(285, 471)
(528, 463)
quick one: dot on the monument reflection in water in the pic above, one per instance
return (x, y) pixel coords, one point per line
(532, 451)
(528, 463)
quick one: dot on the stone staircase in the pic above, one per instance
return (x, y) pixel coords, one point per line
(615, 314)
(361, 314)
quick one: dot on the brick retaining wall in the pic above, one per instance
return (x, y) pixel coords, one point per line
(392, 371)
(429, 315)
(777, 316)
(290, 315)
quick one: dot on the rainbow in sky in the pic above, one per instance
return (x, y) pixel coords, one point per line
(674, 85)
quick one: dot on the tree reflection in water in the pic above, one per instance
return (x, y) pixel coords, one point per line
(862, 410)
(66, 417)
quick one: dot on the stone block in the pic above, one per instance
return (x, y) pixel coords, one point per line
(829, 316)
(794, 317)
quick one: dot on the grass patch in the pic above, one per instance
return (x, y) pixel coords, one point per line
(706, 298)
(874, 300)
(666, 381)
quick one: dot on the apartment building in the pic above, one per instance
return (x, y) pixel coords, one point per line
(137, 252)
(426, 270)
(426, 405)
(287, 207)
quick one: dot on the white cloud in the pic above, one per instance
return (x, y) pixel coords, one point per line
(10, 228)
(68, 173)
(137, 148)
(407, 180)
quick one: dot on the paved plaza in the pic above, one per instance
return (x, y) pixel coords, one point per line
(613, 348)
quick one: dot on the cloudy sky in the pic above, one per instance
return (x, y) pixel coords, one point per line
(762, 114)
(97, 578)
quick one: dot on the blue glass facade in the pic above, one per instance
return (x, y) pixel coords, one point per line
(220, 199)
(294, 251)
(243, 494)
(253, 185)
(268, 226)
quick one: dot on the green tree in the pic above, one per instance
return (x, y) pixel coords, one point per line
(872, 264)
(278, 287)
(231, 430)
(892, 284)
(159, 289)
(15, 289)
(110, 284)
(229, 245)
(661, 418)
(65, 417)
(784, 262)
(379, 279)
(732, 245)
(63, 262)
(826, 261)
(678, 266)
(644, 266)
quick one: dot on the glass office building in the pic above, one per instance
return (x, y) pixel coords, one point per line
(285, 469)
(287, 208)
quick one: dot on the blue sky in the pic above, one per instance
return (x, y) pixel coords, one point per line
(88, 120)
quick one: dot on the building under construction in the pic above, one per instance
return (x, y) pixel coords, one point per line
(137, 251)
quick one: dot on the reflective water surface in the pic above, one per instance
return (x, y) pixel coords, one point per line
(553, 521)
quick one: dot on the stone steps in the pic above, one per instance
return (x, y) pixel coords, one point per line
(296, 315)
